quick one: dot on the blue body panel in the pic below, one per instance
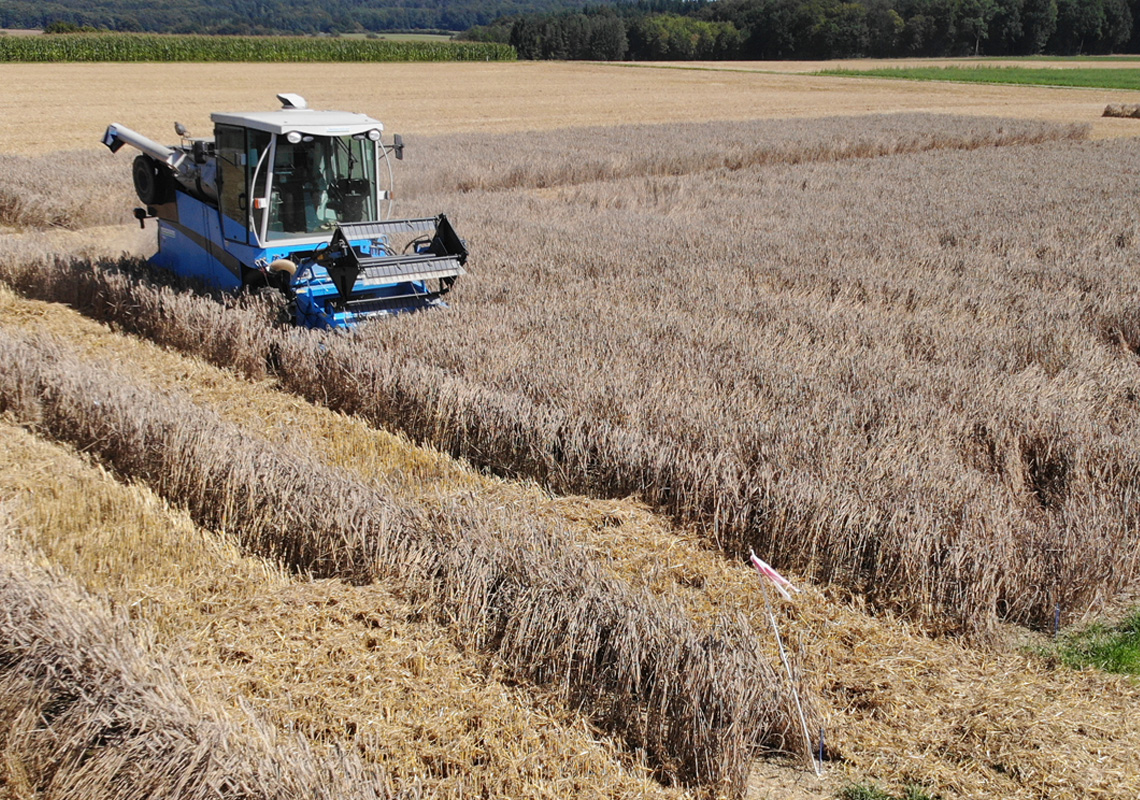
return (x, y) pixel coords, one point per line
(189, 245)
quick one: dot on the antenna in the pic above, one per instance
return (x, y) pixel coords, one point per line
(292, 100)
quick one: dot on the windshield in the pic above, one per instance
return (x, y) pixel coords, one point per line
(319, 181)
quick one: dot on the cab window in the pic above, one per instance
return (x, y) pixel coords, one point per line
(320, 181)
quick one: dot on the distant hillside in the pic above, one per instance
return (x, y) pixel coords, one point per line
(269, 16)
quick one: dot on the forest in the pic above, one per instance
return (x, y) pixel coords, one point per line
(648, 29)
(820, 29)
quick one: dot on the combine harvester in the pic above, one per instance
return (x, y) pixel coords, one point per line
(292, 199)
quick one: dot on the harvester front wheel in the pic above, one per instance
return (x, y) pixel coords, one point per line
(152, 183)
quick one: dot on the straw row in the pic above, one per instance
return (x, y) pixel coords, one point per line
(86, 711)
(575, 156)
(1127, 110)
(696, 701)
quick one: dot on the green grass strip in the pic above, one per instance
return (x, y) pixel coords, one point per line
(1113, 649)
(1083, 77)
(126, 47)
(869, 791)
(1076, 59)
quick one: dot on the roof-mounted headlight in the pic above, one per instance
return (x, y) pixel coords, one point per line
(374, 135)
(293, 137)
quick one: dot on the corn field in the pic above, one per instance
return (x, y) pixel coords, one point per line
(127, 47)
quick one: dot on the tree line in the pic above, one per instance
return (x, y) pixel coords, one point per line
(648, 29)
(822, 29)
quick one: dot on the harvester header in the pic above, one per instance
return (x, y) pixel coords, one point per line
(292, 199)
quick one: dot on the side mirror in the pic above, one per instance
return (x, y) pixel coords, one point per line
(398, 146)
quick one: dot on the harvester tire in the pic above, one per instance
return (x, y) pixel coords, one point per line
(152, 183)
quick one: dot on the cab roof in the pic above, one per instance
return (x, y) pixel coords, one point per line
(303, 120)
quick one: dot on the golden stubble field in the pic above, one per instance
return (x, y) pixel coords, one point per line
(906, 707)
(45, 107)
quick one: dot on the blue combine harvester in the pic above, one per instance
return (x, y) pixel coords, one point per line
(291, 199)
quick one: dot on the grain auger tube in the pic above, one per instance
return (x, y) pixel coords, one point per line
(292, 199)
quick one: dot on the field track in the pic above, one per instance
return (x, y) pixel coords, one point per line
(75, 100)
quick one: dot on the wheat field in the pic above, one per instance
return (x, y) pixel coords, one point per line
(893, 353)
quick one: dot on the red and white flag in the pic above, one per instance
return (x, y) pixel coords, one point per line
(781, 583)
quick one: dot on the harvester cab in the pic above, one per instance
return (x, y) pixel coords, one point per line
(293, 199)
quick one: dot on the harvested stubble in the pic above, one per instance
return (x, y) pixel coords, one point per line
(347, 667)
(696, 702)
(86, 711)
(974, 723)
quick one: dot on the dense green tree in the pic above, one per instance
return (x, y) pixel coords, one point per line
(1005, 28)
(673, 37)
(770, 28)
(917, 35)
(1079, 24)
(885, 27)
(498, 31)
(973, 18)
(63, 26)
(271, 16)
(1119, 23)
(1091, 26)
(1038, 22)
(608, 38)
(598, 35)
(834, 29)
